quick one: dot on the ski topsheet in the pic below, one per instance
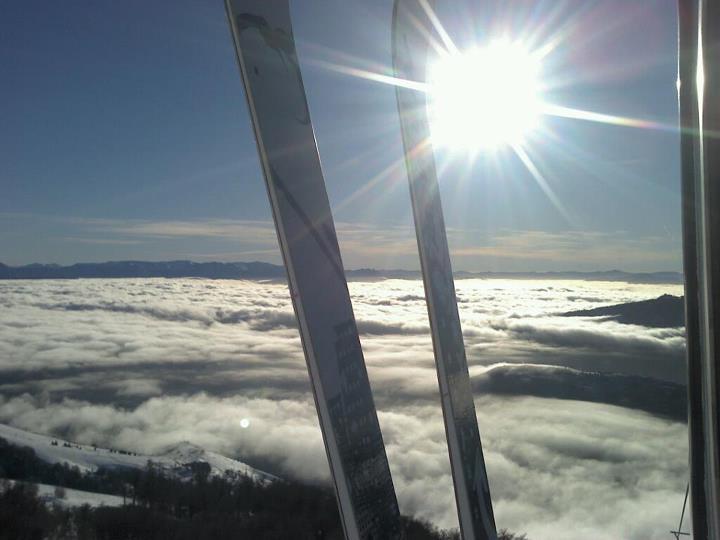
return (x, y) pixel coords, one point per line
(411, 30)
(700, 107)
(265, 48)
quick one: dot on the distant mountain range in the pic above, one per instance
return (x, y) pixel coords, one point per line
(261, 270)
(144, 269)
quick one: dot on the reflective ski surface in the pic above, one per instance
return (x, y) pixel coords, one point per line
(266, 50)
(411, 26)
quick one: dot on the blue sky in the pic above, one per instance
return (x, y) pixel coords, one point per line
(124, 135)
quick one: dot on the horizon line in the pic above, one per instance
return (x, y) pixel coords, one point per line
(357, 269)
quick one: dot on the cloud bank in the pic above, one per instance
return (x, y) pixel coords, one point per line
(146, 363)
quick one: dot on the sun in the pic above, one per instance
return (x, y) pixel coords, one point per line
(484, 98)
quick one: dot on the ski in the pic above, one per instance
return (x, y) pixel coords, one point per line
(688, 34)
(699, 25)
(411, 28)
(263, 38)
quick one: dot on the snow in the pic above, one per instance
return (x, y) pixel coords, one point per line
(175, 461)
(185, 453)
(85, 458)
(74, 497)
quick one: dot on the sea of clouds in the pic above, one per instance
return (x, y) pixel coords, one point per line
(143, 364)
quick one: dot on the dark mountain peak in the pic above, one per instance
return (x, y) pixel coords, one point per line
(662, 312)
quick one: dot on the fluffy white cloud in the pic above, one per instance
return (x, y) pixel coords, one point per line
(146, 363)
(556, 467)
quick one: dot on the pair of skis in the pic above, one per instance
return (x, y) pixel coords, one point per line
(263, 37)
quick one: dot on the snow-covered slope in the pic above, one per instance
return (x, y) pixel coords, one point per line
(74, 497)
(185, 453)
(176, 461)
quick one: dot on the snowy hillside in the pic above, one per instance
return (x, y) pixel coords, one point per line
(176, 461)
(74, 497)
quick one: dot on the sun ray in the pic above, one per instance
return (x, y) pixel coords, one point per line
(359, 157)
(542, 182)
(396, 167)
(434, 44)
(439, 28)
(590, 116)
(369, 75)
(345, 57)
(543, 46)
(566, 149)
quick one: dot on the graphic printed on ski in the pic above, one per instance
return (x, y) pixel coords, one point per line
(411, 28)
(263, 38)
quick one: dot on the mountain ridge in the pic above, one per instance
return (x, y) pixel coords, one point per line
(666, 311)
(177, 461)
(256, 270)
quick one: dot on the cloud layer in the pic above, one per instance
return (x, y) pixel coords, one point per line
(147, 363)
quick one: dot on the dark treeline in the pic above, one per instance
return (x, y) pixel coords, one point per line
(158, 506)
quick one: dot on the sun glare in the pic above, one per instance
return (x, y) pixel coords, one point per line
(484, 98)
